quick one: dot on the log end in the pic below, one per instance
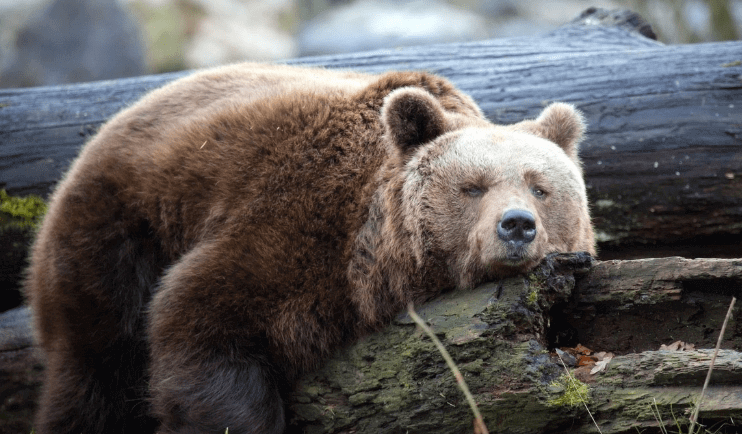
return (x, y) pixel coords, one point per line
(621, 18)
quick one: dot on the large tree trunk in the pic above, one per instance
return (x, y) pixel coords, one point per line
(662, 158)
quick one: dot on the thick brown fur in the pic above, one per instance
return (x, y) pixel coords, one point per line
(232, 229)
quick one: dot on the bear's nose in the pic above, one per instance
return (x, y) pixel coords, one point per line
(517, 226)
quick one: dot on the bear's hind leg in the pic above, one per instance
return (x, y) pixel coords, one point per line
(209, 366)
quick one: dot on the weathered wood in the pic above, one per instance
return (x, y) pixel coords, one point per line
(635, 306)
(624, 395)
(655, 280)
(662, 158)
(499, 334)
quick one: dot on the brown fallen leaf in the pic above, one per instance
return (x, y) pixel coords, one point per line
(602, 355)
(586, 360)
(672, 347)
(678, 346)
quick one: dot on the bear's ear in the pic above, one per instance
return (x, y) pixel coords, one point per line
(412, 117)
(562, 124)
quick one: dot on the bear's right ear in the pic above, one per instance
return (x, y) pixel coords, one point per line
(412, 117)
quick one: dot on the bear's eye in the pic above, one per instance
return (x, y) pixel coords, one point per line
(473, 191)
(538, 192)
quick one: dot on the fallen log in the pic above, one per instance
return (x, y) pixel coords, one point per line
(665, 123)
(502, 334)
(499, 335)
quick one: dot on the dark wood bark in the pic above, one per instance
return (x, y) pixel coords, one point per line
(499, 334)
(635, 306)
(662, 158)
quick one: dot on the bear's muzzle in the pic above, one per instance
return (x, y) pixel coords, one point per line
(516, 229)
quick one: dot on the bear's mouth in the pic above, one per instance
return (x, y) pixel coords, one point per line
(516, 253)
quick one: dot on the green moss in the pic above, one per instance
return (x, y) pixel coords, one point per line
(536, 281)
(25, 212)
(571, 392)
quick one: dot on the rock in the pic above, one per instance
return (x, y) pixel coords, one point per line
(74, 41)
(232, 31)
(15, 329)
(371, 24)
(21, 371)
(497, 8)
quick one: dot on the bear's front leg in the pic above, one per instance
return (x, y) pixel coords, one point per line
(210, 369)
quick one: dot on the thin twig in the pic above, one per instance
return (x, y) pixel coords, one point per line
(694, 416)
(479, 422)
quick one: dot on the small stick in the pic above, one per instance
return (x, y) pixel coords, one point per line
(479, 426)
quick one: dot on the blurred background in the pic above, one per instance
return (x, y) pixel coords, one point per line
(47, 42)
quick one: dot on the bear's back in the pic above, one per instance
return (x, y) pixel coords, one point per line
(242, 149)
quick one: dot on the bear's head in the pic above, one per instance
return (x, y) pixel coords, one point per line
(488, 200)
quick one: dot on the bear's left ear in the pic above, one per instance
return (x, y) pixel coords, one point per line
(562, 124)
(411, 117)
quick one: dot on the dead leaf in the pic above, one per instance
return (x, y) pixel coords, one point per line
(601, 364)
(678, 346)
(672, 347)
(586, 360)
(603, 355)
(581, 349)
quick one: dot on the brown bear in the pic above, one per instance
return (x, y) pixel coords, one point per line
(232, 229)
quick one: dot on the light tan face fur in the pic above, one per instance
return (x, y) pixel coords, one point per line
(464, 183)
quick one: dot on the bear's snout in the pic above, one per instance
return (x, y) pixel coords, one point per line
(517, 228)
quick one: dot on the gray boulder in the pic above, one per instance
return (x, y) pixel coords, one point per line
(74, 41)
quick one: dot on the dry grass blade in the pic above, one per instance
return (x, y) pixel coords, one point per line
(584, 400)
(479, 426)
(694, 416)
